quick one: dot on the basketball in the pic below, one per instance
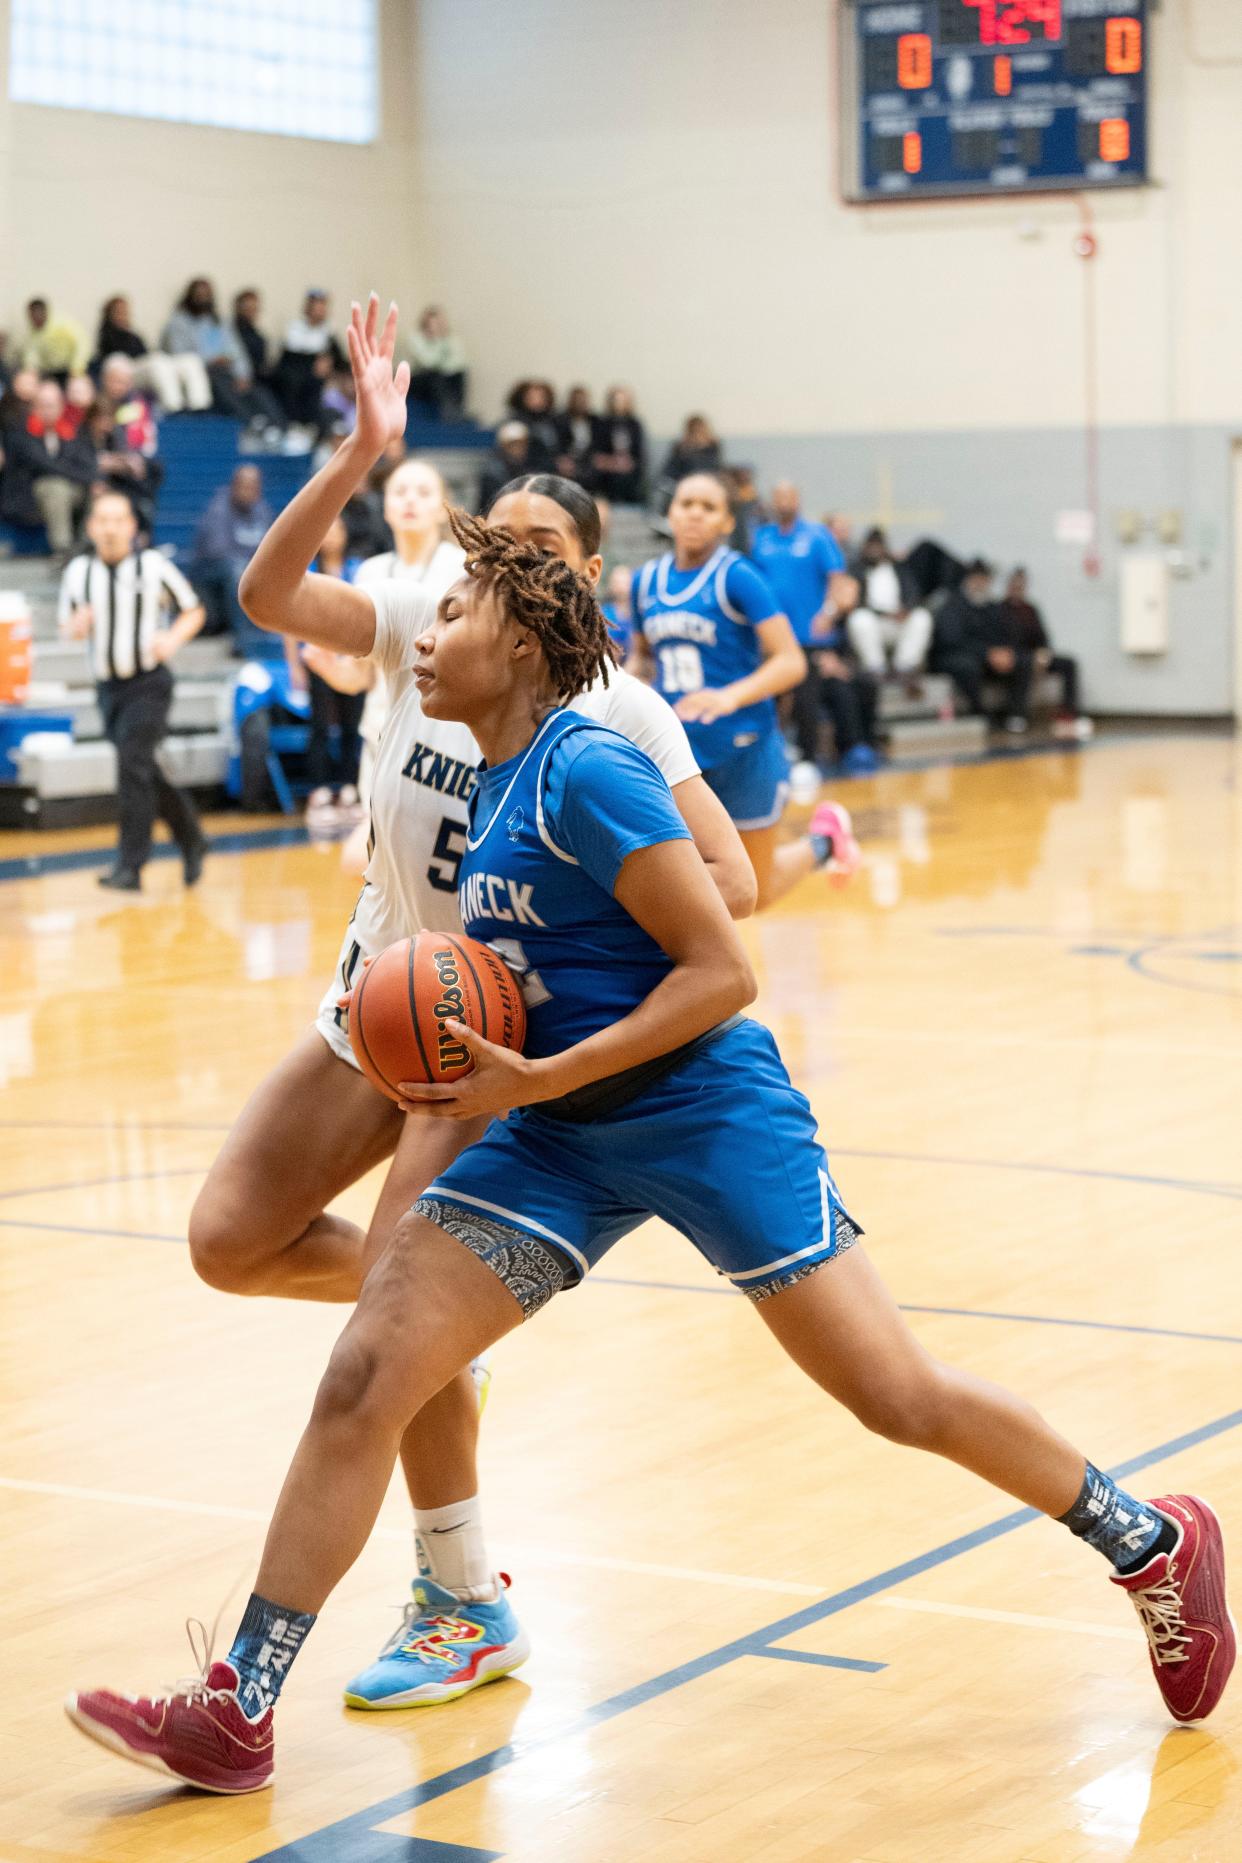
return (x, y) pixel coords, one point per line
(398, 1010)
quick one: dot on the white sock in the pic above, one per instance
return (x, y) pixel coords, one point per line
(449, 1548)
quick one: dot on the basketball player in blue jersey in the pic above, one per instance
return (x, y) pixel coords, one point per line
(710, 634)
(644, 1090)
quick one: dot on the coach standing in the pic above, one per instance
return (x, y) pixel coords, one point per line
(117, 597)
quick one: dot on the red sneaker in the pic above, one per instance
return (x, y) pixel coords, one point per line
(196, 1733)
(833, 820)
(1180, 1599)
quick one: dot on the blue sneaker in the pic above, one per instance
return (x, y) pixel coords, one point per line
(441, 1649)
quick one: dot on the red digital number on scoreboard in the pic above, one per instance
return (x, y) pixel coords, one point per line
(1123, 46)
(1009, 22)
(914, 61)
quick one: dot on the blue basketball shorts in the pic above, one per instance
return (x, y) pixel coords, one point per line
(753, 782)
(723, 1148)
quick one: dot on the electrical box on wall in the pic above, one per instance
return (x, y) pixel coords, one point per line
(1144, 604)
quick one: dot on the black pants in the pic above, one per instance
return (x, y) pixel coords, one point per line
(344, 710)
(849, 703)
(135, 714)
(1067, 667)
(438, 394)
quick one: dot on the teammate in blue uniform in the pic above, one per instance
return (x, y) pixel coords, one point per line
(644, 1091)
(711, 634)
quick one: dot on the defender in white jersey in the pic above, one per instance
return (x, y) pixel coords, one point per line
(421, 558)
(262, 1222)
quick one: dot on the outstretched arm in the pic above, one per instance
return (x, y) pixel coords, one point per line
(276, 590)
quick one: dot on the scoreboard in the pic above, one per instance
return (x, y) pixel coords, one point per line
(943, 97)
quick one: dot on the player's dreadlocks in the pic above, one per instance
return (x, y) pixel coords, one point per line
(540, 592)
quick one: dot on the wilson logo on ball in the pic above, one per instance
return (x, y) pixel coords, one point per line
(404, 998)
(451, 1053)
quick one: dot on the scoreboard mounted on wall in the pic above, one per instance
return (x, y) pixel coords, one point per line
(952, 97)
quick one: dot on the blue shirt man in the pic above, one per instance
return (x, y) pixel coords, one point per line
(797, 558)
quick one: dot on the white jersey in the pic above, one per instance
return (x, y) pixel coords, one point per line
(437, 575)
(421, 786)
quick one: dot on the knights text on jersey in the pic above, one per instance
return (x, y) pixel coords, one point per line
(700, 626)
(550, 831)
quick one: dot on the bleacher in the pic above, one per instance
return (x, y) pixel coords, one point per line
(64, 771)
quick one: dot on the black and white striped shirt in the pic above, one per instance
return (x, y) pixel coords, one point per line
(128, 600)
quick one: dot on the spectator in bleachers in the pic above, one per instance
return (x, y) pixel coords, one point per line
(617, 607)
(966, 645)
(337, 697)
(534, 404)
(620, 456)
(697, 450)
(177, 382)
(54, 345)
(749, 510)
(196, 328)
(246, 309)
(575, 439)
(310, 356)
(889, 619)
(17, 401)
(229, 532)
(49, 466)
(114, 596)
(123, 429)
(437, 367)
(510, 460)
(1020, 626)
(805, 567)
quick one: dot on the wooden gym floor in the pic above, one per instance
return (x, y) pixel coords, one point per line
(759, 1634)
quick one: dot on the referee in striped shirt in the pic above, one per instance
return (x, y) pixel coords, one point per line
(117, 596)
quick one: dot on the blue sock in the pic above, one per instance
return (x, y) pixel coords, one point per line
(1123, 1529)
(266, 1643)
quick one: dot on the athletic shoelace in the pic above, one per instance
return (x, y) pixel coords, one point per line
(1160, 1613)
(192, 1688)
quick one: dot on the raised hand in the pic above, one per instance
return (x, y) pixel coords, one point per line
(380, 390)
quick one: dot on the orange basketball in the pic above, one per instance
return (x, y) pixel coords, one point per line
(402, 1001)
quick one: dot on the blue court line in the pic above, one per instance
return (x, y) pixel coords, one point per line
(98, 1183)
(78, 860)
(951, 1313)
(85, 1229)
(825, 1662)
(1195, 1186)
(327, 1844)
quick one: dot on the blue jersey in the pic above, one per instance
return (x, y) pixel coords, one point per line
(700, 625)
(797, 564)
(549, 830)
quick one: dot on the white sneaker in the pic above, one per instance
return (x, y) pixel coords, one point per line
(804, 782)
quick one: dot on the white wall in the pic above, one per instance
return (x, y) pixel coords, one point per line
(92, 203)
(648, 192)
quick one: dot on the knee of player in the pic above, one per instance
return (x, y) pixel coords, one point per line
(906, 1410)
(219, 1251)
(360, 1387)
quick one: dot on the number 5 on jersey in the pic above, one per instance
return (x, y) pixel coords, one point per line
(445, 863)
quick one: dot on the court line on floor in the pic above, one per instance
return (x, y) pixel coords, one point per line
(1121, 1632)
(81, 859)
(1204, 1187)
(950, 1313)
(324, 1844)
(519, 1553)
(731, 1293)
